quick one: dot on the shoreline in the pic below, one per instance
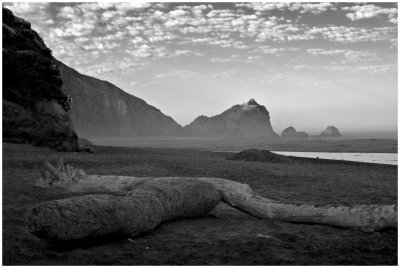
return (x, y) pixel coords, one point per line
(333, 145)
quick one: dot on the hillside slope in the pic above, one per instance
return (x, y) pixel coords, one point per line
(102, 109)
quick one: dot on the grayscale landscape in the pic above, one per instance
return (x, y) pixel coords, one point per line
(162, 133)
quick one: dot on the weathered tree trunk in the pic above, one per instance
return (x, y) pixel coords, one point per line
(141, 210)
(364, 217)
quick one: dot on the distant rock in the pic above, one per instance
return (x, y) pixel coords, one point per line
(34, 105)
(330, 132)
(101, 109)
(256, 155)
(302, 135)
(290, 133)
(240, 121)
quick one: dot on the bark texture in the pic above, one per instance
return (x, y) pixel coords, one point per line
(367, 218)
(141, 210)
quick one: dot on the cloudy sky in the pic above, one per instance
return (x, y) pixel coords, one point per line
(310, 64)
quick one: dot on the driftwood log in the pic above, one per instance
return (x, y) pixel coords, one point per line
(141, 210)
(135, 212)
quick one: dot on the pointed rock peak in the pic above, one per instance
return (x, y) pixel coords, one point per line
(331, 128)
(252, 102)
(250, 105)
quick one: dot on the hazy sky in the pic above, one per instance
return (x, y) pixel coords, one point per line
(310, 64)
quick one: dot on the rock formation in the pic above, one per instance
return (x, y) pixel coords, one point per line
(330, 132)
(291, 133)
(240, 121)
(255, 155)
(102, 109)
(34, 105)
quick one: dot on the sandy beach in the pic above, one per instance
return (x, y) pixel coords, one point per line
(226, 236)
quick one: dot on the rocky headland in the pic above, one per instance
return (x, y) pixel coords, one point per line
(35, 108)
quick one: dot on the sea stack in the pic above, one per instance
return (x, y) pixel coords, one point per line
(247, 120)
(330, 132)
(291, 133)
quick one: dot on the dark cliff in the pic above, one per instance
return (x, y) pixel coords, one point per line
(102, 109)
(34, 105)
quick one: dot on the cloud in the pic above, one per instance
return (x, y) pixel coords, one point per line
(222, 60)
(182, 74)
(300, 67)
(38, 11)
(128, 6)
(185, 52)
(264, 6)
(270, 50)
(113, 66)
(393, 20)
(359, 12)
(372, 69)
(252, 58)
(177, 13)
(23, 8)
(102, 46)
(225, 73)
(155, 31)
(139, 84)
(221, 13)
(330, 52)
(147, 51)
(314, 8)
(344, 34)
(351, 56)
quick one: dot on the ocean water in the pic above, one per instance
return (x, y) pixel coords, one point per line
(378, 158)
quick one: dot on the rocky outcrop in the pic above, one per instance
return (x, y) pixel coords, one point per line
(240, 121)
(330, 132)
(102, 109)
(34, 105)
(256, 155)
(291, 133)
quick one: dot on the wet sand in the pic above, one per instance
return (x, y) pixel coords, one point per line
(226, 236)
